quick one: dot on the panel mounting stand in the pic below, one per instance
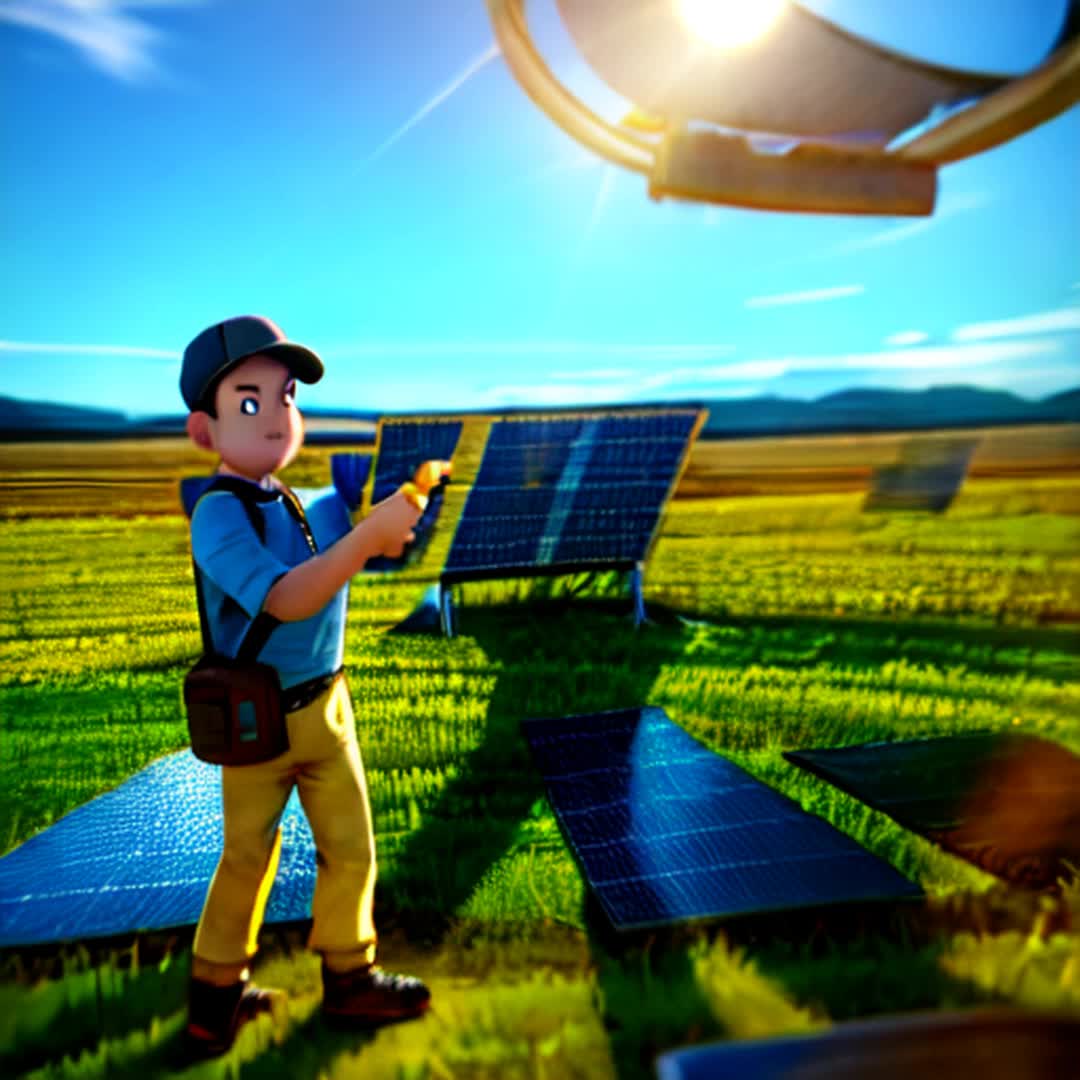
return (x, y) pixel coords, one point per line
(446, 609)
(637, 582)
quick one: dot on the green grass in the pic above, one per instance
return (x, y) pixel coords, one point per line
(812, 624)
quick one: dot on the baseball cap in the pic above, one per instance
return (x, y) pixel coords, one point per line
(219, 348)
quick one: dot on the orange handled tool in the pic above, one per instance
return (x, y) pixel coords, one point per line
(427, 476)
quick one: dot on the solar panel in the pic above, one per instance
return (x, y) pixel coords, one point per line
(1008, 803)
(559, 495)
(403, 445)
(983, 1044)
(666, 830)
(139, 857)
(928, 476)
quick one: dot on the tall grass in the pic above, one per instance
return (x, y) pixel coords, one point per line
(803, 622)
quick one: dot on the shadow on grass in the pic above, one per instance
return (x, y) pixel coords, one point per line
(554, 659)
(867, 643)
(559, 660)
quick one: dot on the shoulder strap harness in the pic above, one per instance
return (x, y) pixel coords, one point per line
(249, 494)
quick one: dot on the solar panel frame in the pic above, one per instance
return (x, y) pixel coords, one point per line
(567, 550)
(621, 756)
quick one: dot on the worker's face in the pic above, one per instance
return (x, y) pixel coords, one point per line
(258, 428)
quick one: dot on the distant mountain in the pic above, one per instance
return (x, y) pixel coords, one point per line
(21, 418)
(856, 410)
(1064, 406)
(864, 410)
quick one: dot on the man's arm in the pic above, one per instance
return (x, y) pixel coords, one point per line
(309, 587)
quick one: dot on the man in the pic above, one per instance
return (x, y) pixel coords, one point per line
(239, 381)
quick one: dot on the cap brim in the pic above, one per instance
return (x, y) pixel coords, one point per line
(303, 363)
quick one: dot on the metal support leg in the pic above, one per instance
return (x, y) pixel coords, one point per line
(446, 609)
(637, 582)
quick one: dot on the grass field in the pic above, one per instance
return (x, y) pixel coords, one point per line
(807, 622)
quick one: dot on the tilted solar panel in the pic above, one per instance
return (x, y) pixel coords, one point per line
(139, 857)
(1009, 803)
(666, 830)
(564, 494)
(403, 445)
(928, 476)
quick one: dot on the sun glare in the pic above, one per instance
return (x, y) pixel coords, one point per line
(729, 24)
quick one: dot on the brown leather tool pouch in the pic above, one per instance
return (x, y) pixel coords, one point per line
(234, 711)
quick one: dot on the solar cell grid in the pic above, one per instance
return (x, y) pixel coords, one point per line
(403, 446)
(139, 857)
(587, 492)
(666, 830)
(509, 433)
(1006, 802)
(677, 425)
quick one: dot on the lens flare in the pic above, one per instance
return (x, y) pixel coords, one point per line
(729, 24)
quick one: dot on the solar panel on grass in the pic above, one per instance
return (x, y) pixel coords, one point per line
(402, 446)
(139, 857)
(986, 1044)
(666, 830)
(1009, 803)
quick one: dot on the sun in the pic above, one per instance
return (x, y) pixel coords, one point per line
(729, 24)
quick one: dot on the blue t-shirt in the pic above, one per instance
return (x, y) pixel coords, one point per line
(238, 570)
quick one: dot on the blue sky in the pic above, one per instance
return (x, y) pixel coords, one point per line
(370, 176)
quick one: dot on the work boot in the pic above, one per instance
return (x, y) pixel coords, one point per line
(217, 1013)
(369, 996)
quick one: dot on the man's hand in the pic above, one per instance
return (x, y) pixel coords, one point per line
(386, 530)
(391, 521)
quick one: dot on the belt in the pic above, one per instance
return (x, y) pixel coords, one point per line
(303, 694)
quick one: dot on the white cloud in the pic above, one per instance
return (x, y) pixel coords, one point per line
(540, 349)
(447, 91)
(114, 41)
(550, 394)
(928, 357)
(1043, 322)
(748, 369)
(980, 362)
(599, 374)
(65, 349)
(810, 296)
(907, 337)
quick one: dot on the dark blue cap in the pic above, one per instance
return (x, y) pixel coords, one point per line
(219, 348)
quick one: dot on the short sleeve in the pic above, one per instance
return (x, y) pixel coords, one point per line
(328, 514)
(228, 550)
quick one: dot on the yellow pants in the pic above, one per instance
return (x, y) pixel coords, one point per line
(323, 762)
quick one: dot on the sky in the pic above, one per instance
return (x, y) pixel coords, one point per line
(371, 177)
